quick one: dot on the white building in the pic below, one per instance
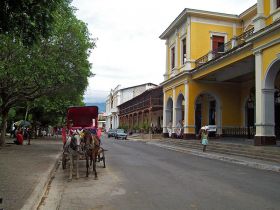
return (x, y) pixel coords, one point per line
(101, 120)
(118, 96)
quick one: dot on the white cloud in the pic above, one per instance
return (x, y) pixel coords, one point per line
(129, 51)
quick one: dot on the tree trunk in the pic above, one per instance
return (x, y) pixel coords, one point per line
(27, 111)
(4, 116)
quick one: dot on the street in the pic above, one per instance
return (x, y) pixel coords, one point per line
(142, 176)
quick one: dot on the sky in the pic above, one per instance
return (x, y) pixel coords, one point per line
(129, 51)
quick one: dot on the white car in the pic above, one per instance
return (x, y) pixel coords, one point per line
(120, 134)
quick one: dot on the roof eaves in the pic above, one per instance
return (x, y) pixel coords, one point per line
(142, 94)
(210, 13)
(149, 83)
(173, 24)
(188, 11)
(247, 11)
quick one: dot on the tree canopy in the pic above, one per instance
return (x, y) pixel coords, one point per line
(28, 19)
(55, 66)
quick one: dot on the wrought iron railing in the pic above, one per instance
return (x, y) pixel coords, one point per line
(147, 103)
(225, 48)
(239, 132)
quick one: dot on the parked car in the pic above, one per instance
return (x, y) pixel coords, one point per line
(111, 133)
(120, 134)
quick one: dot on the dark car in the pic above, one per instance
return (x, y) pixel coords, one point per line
(120, 134)
(111, 133)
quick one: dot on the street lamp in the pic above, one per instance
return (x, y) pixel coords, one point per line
(250, 105)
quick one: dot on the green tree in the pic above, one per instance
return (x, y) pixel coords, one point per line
(28, 19)
(53, 109)
(56, 65)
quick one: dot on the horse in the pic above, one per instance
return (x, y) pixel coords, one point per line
(92, 148)
(72, 148)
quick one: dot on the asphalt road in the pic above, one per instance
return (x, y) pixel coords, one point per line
(141, 176)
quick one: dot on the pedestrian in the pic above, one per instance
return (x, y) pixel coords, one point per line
(204, 138)
(99, 132)
(28, 135)
(179, 128)
(12, 131)
(55, 131)
(64, 134)
(169, 129)
(19, 137)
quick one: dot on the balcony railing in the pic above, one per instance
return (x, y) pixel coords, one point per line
(147, 103)
(238, 132)
(225, 48)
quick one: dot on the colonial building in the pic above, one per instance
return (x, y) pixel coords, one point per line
(118, 96)
(223, 70)
(101, 120)
(143, 112)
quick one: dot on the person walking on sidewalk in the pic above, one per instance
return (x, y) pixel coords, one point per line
(169, 129)
(28, 135)
(19, 137)
(204, 138)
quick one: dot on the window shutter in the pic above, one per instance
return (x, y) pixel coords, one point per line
(217, 41)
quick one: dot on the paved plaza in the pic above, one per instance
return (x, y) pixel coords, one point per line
(25, 171)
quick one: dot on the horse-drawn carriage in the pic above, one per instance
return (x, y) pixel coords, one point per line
(82, 139)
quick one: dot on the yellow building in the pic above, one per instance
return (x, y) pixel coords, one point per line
(223, 70)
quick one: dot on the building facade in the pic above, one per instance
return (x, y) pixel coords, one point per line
(223, 70)
(143, 112)
(101, 120)
(118, 96)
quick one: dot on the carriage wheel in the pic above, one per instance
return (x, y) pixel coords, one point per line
(63, 162)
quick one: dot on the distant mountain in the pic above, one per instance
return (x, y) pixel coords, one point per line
(101, 106)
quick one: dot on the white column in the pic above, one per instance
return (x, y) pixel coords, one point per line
(164, 124)
(264, 102)
(113, 121)
(218, 119)
(186, 120)
(188, 44)
(175, 70)
(233, 40)
(166, 60)
(272, 6)
(258, 81)
(117, 121)
(268, 112)
(177, 50)
(234, 29)
(174, 110)
(259, 21)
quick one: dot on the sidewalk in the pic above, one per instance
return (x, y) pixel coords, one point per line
(25, 171)
(249, 162)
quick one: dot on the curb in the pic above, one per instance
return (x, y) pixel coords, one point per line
(253, 163)
(142, 140)
(36, 196)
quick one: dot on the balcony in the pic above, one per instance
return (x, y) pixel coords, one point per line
(145, 104)
(230, 46)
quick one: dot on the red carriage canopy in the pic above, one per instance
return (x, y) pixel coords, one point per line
(82, 117)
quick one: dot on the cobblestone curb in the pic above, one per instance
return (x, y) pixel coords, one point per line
(36, 196)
